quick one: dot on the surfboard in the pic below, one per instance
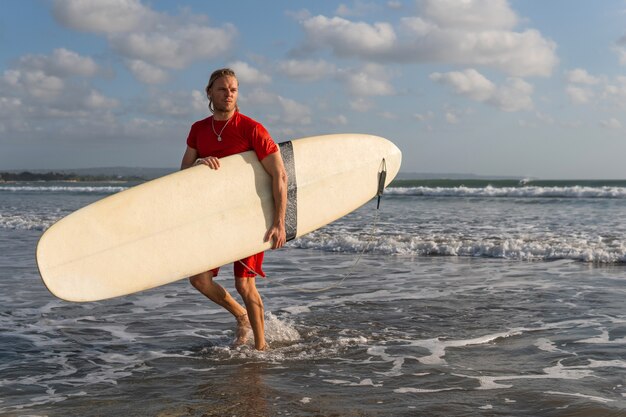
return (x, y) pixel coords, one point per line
(198, 219)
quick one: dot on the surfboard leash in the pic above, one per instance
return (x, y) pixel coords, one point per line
(382, 176)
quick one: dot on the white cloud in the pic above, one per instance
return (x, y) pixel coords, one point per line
(452, 118)
(249, 75)
(581, 76)
(146, 73)
(140, 34)
(62, 63)
(371, 80)
(287, 112)
(348, 38)
(621, 54)
(97, 101)
(338, 120)
(470, 14)
(175, 48)
(306, 70)
(470, 32)
(35, 83)
(358, 8)
(424, 117)
(513, 95)
(294, 113)
(361, 104)
(611, 123)
(469, 83)
(104, 16)
(579, 95)
(199, 101)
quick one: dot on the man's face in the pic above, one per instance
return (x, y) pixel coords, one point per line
(223, 93)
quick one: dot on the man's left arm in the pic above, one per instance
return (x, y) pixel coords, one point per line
(273, 164)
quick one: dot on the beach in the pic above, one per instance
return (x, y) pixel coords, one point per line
(487, 299)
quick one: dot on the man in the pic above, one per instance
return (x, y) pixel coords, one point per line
(225, 133)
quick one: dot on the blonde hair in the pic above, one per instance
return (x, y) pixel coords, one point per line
(217, 74)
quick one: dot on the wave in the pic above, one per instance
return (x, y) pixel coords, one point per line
(596, 250)
(27, 221)
(575, 191)
(97, 189)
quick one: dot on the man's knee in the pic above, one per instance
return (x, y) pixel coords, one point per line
(201, 280)
(244, 286)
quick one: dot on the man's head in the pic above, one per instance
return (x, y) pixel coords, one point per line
(222, 91)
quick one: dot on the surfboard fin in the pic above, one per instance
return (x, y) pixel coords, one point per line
(382, 176)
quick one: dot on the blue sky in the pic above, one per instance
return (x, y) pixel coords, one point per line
(523, 87)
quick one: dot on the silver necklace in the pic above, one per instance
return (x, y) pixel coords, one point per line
(219, 135)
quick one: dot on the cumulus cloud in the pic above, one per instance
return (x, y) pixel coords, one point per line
(348, 38)
(151, 42)
(249, 75)
(611, 123)
(146, 73)
(50, 89)
(584, 88)
(470, 14)
(282, 111)
(361, 104)
(469, 83)
(371, 80)
(581, 76)
(33, 83)
(470, 33)
(61, 63)
(579, 95)
(104, 16)
(307, 70)
(513, 95)
(175, 48)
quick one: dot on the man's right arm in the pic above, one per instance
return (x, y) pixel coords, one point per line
(189, 158)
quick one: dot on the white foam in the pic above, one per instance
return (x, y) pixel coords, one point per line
(98, 189)
(604, 339)
(504, 244)
(296, 309)
(587, 397)
(438, 347)
(280, 330)
(27, 221)
(559, 371)
(518, 192)
(411, 390)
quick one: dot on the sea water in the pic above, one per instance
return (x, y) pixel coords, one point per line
(456, 298)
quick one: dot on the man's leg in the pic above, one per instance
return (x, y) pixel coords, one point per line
(204, 283)
(246, 286)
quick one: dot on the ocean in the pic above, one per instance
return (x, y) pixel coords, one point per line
(455, 298)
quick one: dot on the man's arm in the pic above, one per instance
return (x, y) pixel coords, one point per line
(189, 158)
(274, 166)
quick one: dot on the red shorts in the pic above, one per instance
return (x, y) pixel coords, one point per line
(253, 266)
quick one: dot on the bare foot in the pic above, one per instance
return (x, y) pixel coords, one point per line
(242, 334)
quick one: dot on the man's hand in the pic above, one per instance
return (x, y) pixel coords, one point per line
(210, 161)
(276, 235)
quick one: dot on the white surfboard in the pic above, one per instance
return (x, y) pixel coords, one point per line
(198, 219)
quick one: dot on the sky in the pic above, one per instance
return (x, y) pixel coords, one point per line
(527, 88)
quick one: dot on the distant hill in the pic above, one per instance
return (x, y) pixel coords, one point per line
(87, 174)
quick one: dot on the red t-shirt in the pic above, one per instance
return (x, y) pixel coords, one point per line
(239, 135)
